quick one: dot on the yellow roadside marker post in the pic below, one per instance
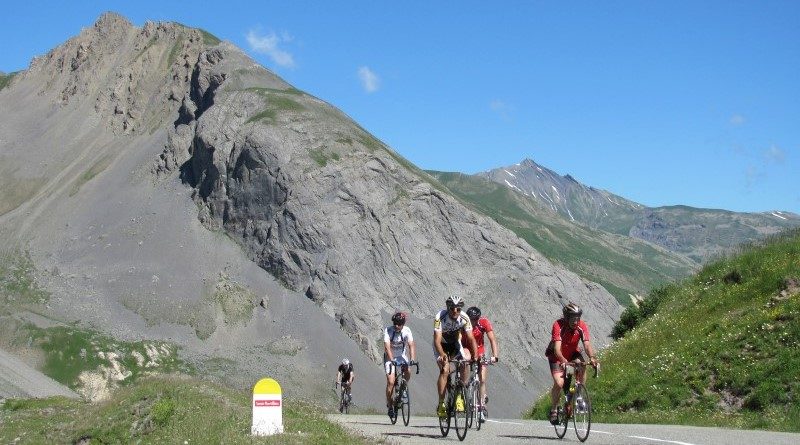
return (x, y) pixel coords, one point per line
(267, 408)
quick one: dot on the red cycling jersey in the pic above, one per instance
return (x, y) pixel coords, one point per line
(483, 325)
(569, 338)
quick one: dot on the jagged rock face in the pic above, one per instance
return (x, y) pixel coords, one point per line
(312, 198)
(337, 215)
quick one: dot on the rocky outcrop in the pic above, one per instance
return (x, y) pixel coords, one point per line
(339, 216)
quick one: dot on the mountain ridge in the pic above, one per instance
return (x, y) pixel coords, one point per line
(174, 171)
(666, 226)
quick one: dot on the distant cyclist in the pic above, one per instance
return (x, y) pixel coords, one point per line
(398, 345)
(481, 325)
(564, 347)
(345, 376)
(448, 328)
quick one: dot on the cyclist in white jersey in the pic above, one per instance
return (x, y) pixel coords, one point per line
(398, 343)
(448, 327)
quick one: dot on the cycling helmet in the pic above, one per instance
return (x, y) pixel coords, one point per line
(572, 310)
(474, 313)
(399, 318)
(345, 362)
(455, 300)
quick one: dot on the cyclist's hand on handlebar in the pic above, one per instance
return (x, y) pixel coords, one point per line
(495, 359)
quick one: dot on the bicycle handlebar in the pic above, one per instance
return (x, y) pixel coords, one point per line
(578, 364)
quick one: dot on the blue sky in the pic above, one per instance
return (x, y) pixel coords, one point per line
(661, 102)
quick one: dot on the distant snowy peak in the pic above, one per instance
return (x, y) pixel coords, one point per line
(562, 194)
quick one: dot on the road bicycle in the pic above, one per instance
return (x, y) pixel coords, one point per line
(577, 405)
(345, 398)
(401, 398)
(477, 408)
(455, 398)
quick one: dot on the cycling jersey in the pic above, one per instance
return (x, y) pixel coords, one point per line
(451, 329)
(478, 329)
(570, 338)
(346, 370)
(398, 341)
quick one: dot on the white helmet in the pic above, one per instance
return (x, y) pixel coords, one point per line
(345, 362)
(454, 300)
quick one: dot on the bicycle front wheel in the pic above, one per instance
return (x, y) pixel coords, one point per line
(395, 402)
(562, 422)
(405, 399)
(444, 422)
(460, 413)
(582, 413)
(474, 406)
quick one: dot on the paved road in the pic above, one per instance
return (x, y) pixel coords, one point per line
(425, 430)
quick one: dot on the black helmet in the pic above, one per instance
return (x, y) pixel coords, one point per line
(572, 310)
(474, 313)
(399, 318)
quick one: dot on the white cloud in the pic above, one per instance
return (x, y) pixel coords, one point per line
(737, 119)
(775, 154)
(269, 45)
(369, 80)
(501, 108)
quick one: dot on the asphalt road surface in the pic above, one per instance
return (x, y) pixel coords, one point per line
(425, 430)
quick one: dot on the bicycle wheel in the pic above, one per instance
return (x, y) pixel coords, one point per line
(582, 412)
(395, 399)
(563, 420)
(474, 406)
(460, 416)
(444, 422)
(405, 400)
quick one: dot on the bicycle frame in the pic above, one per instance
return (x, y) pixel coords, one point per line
(574, 392)
(401, 399)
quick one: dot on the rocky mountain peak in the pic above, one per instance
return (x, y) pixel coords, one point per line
(161, 114)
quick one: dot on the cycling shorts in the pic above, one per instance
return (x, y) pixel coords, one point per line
(399, 361)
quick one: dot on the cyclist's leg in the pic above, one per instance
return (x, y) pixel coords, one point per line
(483, 372)
(444, 368)
(558, 382)
(389, 381)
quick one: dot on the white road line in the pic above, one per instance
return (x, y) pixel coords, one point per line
(660, 440)
(505, 423)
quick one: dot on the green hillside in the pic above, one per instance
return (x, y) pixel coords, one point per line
(623, 265)
(721, 348)
(173, 410)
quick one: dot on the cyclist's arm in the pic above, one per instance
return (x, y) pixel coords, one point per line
(437, 343)
(338, 377)
(473, 345)
(413, 349)
(557, 351)
(387, 348)
(352, 378)
(493, 342)
(589, 350)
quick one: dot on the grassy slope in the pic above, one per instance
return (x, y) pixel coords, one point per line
(171, 410)
(722, 349)
(622, 265)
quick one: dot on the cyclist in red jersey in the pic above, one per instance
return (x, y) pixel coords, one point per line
(481, 325)
(564, 347)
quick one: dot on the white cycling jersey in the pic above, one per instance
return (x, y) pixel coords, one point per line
(450, 328)
(398, 341)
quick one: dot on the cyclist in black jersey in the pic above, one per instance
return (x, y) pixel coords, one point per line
(345, 376)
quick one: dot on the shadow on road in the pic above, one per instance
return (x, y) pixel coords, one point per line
(409, 435)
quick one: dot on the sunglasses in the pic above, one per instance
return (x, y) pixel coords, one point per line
(457, 308)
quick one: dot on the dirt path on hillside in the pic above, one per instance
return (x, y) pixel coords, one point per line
(18, 380)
